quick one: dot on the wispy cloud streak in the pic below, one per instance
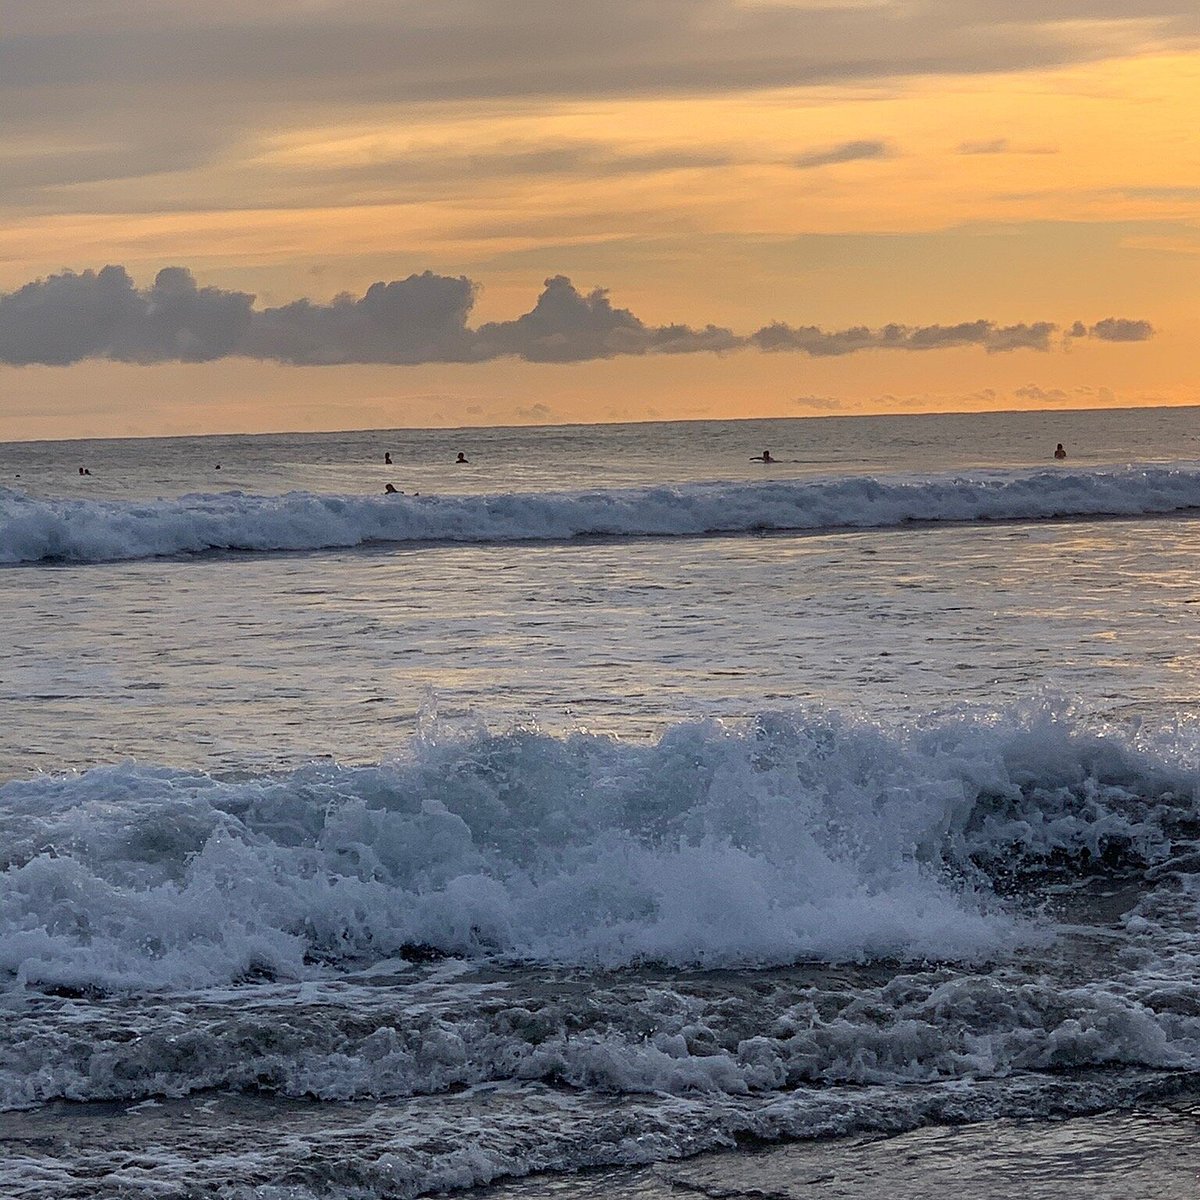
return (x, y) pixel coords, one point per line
(843, 153)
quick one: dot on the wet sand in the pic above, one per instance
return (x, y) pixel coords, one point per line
(235, 1148)
(1147, 1154)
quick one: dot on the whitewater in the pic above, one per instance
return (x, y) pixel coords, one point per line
(33, 530)
(612, 802)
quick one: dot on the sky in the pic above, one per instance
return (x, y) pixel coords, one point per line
(337, 214)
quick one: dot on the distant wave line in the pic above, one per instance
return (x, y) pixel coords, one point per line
(34, 530)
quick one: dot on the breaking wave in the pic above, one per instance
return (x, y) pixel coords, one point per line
(791, 837)
(956, 919)
(38, 529)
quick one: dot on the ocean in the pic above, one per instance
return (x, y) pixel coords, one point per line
(611, 814)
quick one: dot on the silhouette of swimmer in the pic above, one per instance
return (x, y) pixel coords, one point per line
(81, 470)
(765, 456)
(387, 458)
(84, 471)
(390, 489)
(462, 458)
(1059, 452)
(217, 467)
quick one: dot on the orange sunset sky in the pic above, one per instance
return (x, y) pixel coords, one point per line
(795, 208)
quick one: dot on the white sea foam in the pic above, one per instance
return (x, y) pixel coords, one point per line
(33, 530)
(791, 837)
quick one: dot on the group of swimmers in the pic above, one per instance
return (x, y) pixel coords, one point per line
(767, 457)
(88, 470)
(462, 460)
(390, 489)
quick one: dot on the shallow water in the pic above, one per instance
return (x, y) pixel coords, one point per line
(1149, 1153)
(268, 661)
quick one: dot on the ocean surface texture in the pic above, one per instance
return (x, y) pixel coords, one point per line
(604, 801)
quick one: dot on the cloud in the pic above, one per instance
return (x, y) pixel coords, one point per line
(103, 78)
(382, 171)
(1182, 193)
(809, 339)
(566, 325)
(1031, 391)
(841, 153)
(100, 314)
(818, 403)
(419, 319)
(68, 317)
(1119, 329)
(1113, 329)
(1103, 395)
(537, 413)
(995, 146)
(1001, 146)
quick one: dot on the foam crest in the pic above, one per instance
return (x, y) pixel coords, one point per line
(789, 837)
(36, 530)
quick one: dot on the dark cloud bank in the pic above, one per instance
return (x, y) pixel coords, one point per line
(66, 318)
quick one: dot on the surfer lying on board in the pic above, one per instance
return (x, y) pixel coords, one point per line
(765, 456)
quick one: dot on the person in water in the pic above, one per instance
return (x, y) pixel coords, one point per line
(1059, 452)
(390, 488)
(765, 456)
(462, 459)
(387, 458)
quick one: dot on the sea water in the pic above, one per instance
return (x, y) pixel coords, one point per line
(613, 799)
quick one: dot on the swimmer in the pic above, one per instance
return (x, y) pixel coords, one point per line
(1059, 452)
(387, 458)
(461, 460)
(390, 489)
(764, 457)
(81, 470)
(217, 467)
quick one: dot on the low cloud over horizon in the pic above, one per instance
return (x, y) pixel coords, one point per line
(70, 317)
